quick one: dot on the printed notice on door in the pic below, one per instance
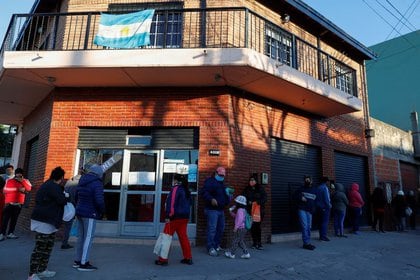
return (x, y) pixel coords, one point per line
(141, 178)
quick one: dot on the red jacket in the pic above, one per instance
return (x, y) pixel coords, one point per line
(355, 199)
(12, 193)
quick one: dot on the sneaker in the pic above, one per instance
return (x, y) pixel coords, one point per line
(308, 247)
(86, 267)
(218, 249)
(2, 237)
(229, 255)
(66, 246)
(46, 274)
(12, 236)
(324, 239)
(213, 252)
(344, 236)
(76, 264)
(162, 263)
(245, 256)
(187, 261)
(260, 247)
(34, 277)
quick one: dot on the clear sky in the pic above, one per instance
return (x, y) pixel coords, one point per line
(369, 21)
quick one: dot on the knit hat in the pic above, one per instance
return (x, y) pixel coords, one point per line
(96, 170)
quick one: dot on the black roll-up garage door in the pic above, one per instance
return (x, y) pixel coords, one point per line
(351, 168)
(290, 161)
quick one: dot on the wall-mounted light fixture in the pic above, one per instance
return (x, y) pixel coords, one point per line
(369, 133)
(285, 18)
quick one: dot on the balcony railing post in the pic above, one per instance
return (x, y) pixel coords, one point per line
(87, 33)
(318, 52)
(203, 23)
(246, 28)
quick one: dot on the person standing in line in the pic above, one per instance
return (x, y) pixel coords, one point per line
(239, 229)
(177, 209)
(355, 203)
(90, 206)
(2, 199)
(9, 172)
(339, 205)
(305, 199)
(399, 205)
(14, 191)
(216, 199)
(411, 202)
(323, 203)
(46, 219)
(256, 198)
(378, 204)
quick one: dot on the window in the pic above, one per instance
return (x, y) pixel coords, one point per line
(166, 28)
(344, 78)
(278, 44)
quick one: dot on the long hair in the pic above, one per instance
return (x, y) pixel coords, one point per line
(182, 179)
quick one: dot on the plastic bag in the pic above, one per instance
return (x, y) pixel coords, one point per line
(69, 212)
(256, 212)
(163, 244)
(74, 230)
(248, 221)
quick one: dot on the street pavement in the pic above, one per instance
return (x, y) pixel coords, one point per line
(370, 255)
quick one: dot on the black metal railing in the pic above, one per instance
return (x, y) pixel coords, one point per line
(186, 28)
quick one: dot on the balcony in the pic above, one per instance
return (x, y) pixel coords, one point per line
(190, 47)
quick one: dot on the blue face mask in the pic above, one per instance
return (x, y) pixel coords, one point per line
(219, 178)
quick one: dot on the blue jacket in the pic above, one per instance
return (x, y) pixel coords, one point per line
(323, 200)
(90, 197)
(217, 190)
(182, 204)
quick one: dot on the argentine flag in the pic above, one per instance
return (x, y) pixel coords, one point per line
(124, 31)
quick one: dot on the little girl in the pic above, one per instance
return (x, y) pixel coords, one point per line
(239, 229)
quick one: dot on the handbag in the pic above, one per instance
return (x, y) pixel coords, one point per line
(408, 211)
(163, 244)
(256, 212)
(69, 212)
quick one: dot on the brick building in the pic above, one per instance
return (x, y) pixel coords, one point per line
(266, 87)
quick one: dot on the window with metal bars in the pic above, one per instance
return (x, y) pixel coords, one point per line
(278, 44)
(166, 28)
(343, 78)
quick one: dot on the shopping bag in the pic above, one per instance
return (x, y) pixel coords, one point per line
(248, 221)
(69, 212)
(256, 212)
(163, 244)
(408, 211)
(74, 228)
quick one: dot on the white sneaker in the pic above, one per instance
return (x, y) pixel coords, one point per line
(229, 255)
(46, 274)
(34, 277)
(213, 252)
(2, 237)
(245, 256)
(12, 236)
(218, 249)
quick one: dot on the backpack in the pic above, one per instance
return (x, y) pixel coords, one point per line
(248, 220)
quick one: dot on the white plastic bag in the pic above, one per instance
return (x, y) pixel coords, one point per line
(69, 212)
(163, 244)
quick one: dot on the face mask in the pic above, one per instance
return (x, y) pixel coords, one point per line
(219, 178)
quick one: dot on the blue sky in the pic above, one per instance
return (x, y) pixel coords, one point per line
(369, 21)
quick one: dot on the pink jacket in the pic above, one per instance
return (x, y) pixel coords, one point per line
(355, 199)
(239, 218)
(12, 193)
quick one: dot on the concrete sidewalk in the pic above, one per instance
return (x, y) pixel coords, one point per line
(370, 255)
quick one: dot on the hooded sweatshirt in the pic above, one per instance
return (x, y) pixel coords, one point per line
(339, 199)
(90, 197)
(355, 199)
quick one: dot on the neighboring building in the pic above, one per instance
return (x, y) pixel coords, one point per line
(395, 160)
(267, 87)
(392, 80)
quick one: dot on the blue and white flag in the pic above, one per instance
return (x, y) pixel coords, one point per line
(125, 31)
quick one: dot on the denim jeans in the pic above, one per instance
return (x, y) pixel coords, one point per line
(357, 213)
(305, 219)
(324, 216)
(339, 221)
(215, 227)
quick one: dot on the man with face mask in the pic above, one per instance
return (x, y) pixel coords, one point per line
(216, 198)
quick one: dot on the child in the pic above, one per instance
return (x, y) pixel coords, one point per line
(239, 229)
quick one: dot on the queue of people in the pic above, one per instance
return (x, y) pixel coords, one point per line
(85, 192)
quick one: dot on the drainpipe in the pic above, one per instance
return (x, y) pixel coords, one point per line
(415, 133)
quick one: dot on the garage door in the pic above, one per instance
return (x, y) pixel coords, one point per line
(290, 161)
(351, 168)
(409, 176)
